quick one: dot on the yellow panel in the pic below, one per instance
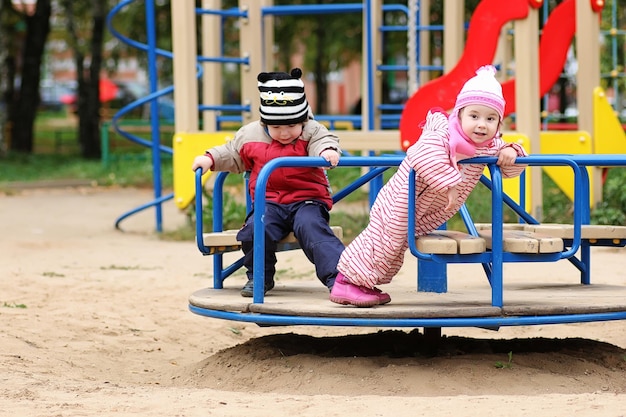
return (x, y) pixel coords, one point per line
(608, 134)
(574, 143)
(186, 147)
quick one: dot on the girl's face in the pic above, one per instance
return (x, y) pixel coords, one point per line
(479, 123)
(285, 134)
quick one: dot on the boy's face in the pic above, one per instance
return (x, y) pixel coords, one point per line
(479, 123)
(285, 134)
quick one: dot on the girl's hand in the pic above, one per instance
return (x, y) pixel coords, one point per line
(453, 195)
(506, 157)
(331, 156)
(202, 161)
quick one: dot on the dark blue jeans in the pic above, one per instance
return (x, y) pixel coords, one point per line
(309, 222)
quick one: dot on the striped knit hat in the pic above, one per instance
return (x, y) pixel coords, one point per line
(483, 89)
(283, 101)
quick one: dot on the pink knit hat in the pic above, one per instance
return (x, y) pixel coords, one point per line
(482, 89)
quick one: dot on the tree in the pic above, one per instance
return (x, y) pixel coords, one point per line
(83, 18)
(4, 77)
(27, 102)
(325, 51)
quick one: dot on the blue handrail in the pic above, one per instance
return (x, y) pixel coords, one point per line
(492, 261)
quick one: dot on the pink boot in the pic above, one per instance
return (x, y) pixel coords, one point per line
(383, 297)
(344, 292)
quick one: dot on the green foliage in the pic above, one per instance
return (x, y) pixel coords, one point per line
(307, 32)
(351, 223)
(53, 275)
(234, 212)
(612, 48)
(124, 172)
(557, 207)
(612, 210)
(13, 305)
(508, 364)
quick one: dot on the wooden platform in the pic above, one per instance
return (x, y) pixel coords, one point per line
(446, 242)
(529, 300)
(565, 231)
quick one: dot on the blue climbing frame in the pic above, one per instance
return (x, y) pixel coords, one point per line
(577, 251)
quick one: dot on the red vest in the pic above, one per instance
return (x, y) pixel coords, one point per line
(290, 184)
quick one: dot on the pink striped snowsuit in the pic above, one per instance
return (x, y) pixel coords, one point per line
(377, 254)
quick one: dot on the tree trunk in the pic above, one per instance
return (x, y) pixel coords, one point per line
(38, 28)
(3, 83)
(88, 78)
(321, 68)
(89, 117)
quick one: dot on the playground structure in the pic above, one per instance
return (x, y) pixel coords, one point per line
(597, 134)
(599, 130)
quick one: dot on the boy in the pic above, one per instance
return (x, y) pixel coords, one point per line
(298, 198)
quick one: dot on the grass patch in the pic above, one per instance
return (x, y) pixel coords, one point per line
(13, 305)
(137, 172)
(507, 364)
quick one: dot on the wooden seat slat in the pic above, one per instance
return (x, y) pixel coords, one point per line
(566, 231)
(588, 231)
(438, 244)
(228, 238)
(450, 242)
(520, 241)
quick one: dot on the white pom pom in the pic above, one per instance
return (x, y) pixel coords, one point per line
(486, 70)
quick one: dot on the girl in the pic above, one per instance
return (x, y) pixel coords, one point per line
(441, 187)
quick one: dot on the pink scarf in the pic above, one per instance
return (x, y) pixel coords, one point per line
(460, 143)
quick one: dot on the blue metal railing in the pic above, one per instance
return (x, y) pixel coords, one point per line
(495, 258)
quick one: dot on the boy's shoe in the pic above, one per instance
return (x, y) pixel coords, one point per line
(247, 290)
(346, 293)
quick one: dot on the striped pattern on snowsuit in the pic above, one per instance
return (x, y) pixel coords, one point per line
(377, 254)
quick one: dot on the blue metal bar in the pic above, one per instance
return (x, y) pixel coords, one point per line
(404, 28)
(362, 180)
(496, 257)
(233, 12)
(557, 160)
(225, 60)
(154, 112)
(137, 45)
(497, 205)
(259, 202)
(225, 107)
(309, 9)
(496, 237)
(219, 272)
(369, 63)
(496, 321)
(153, 52)
(392, 67)
(199, 209)
(585, 247)
(156, 202)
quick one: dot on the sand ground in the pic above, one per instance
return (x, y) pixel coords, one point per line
(94, 322)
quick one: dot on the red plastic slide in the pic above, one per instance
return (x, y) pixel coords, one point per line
(557, 35)
(482, 39)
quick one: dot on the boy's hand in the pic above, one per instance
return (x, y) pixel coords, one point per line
(506, 157)
(202, 161)
(331, 156)
(453, 195)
